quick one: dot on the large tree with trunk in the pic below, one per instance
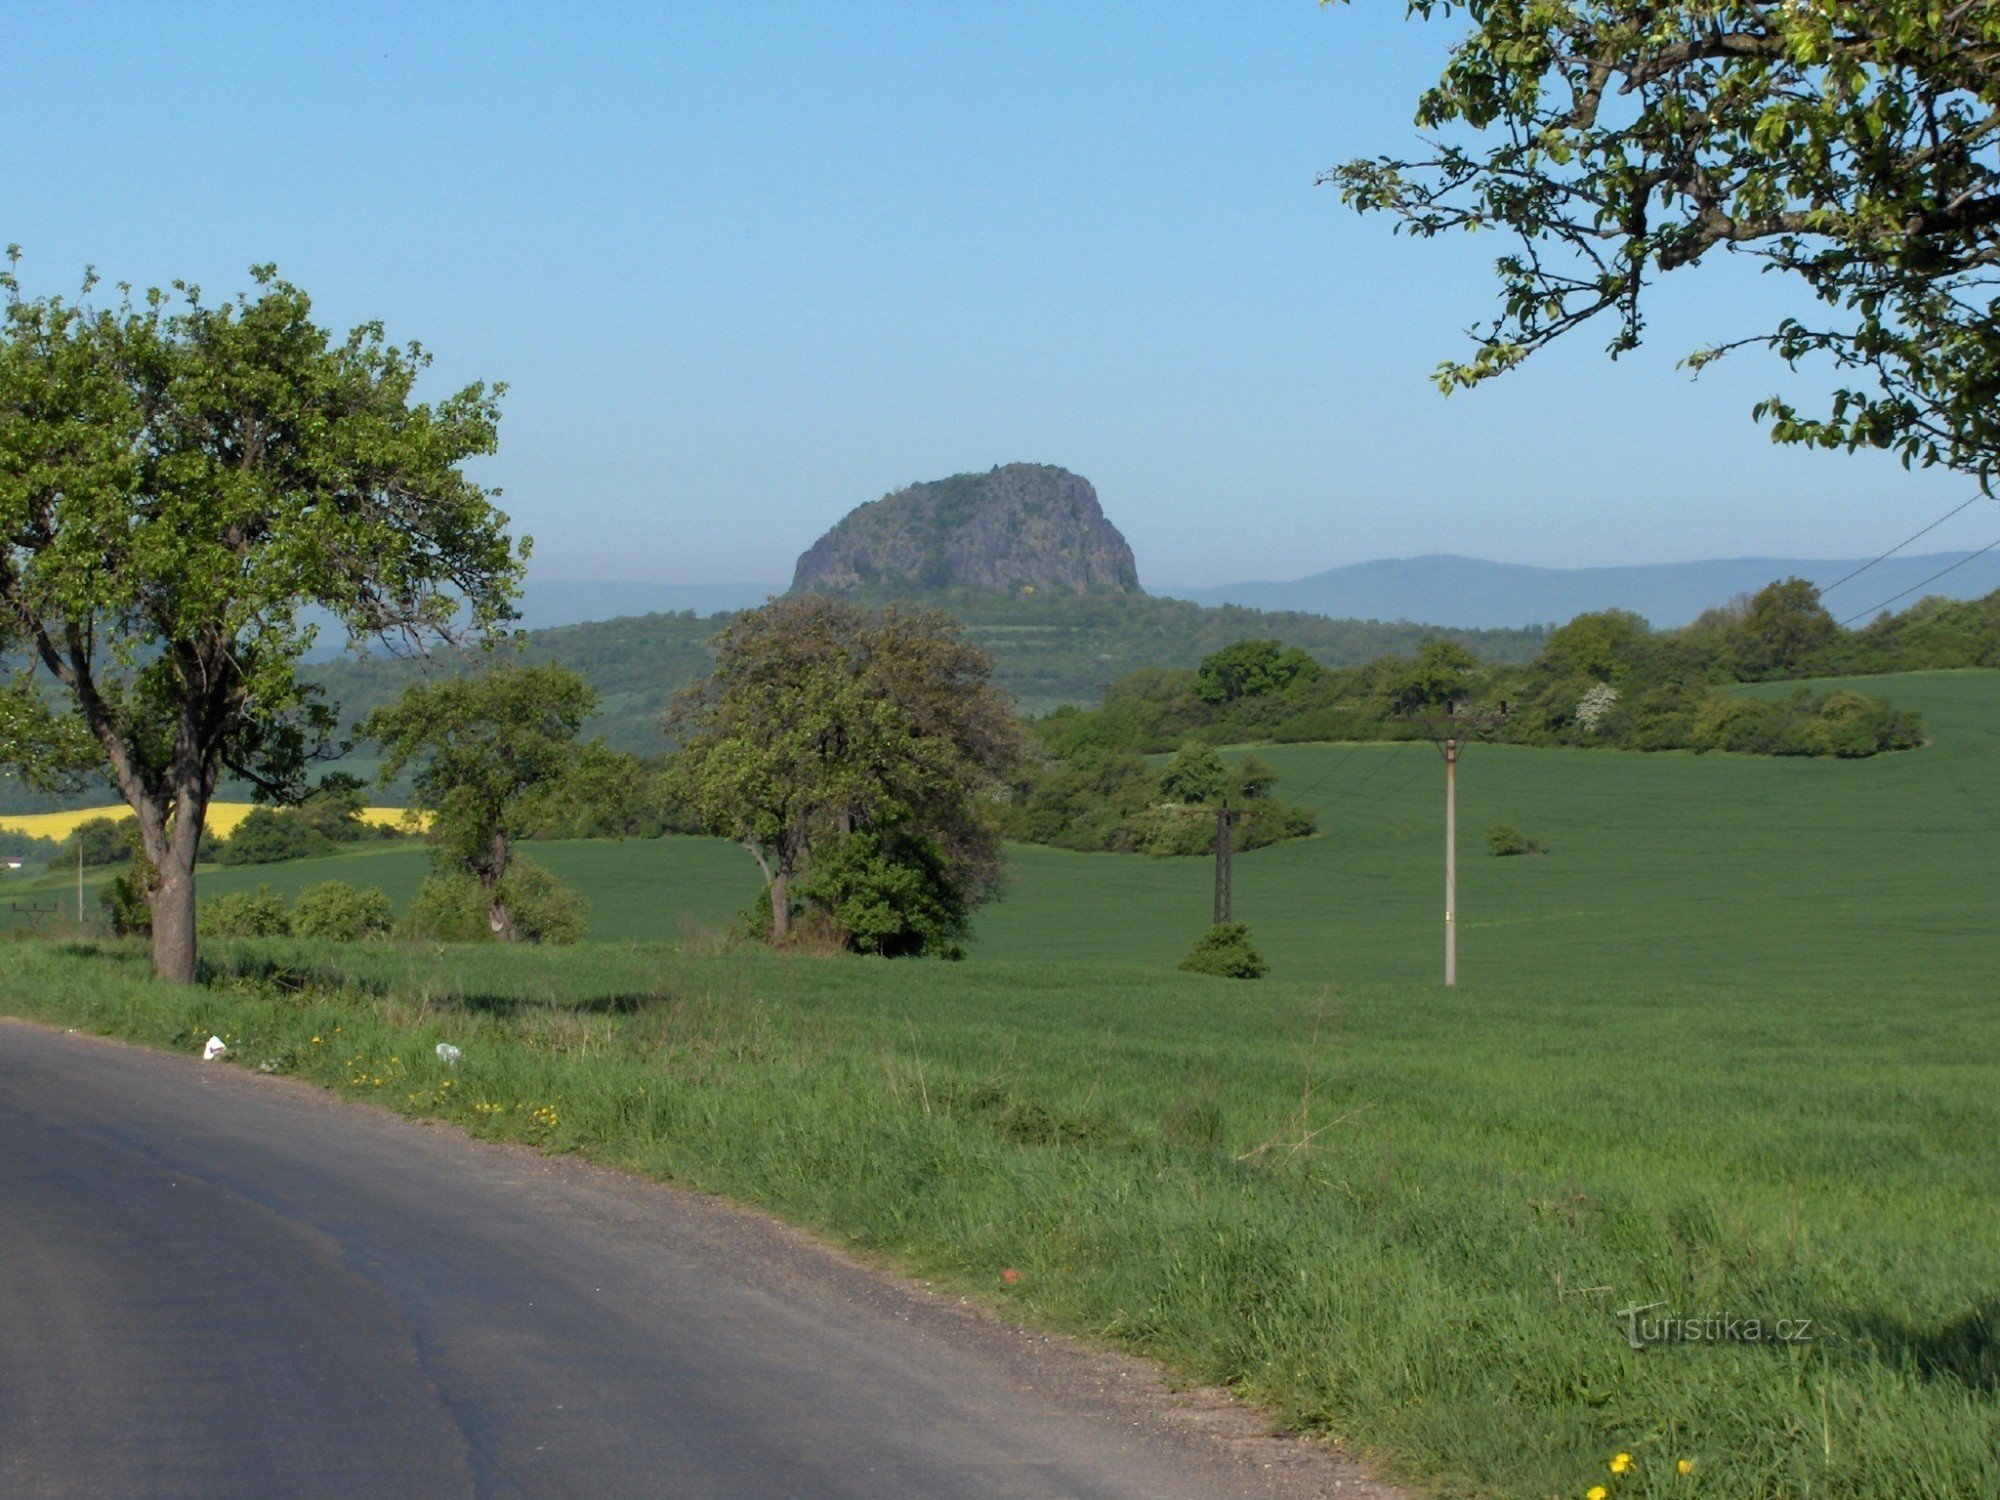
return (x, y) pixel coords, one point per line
(1852, 146)
(181, 484)
(824, 721)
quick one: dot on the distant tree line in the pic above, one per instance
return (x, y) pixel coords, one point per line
(1604, 679)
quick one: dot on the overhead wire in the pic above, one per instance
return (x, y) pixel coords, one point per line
(1850, 577)
(1878, 608)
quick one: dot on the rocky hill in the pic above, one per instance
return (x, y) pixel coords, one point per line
(1017, 529)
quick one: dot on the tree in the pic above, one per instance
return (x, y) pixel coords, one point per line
(1439, 676)
(1786, 624)
(1853, 146)
(1195, 777)
(1250, 669)
(267, 836)
(484, 744)
(179, 484)
(823, 720)
(1600, 645)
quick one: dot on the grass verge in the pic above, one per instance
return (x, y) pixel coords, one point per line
(1401, 1218)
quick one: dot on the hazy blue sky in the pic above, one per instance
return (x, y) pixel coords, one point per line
(747, 265)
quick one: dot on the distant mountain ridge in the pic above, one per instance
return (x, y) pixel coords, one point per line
(1469, 594)
(1015, 529)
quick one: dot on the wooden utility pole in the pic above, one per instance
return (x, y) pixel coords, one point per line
(1222, 852)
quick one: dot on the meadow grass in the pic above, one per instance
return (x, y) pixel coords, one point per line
(1730, 1047)
(1400, 1216)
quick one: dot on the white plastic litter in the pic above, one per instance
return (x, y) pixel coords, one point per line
(448, 1054)
(216, 1048)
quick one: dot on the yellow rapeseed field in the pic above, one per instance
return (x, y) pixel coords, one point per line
(222, 818)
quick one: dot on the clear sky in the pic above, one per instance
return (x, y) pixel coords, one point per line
(744, 265)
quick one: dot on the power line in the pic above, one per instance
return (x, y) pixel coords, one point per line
(1901, 545)
(1877, 609)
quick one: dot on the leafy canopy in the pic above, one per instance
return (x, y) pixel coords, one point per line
(483, 744)
(180, 483)
(1851, 144)
(823, 720)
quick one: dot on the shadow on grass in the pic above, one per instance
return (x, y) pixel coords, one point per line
(1962, 1351)
(501, 1007)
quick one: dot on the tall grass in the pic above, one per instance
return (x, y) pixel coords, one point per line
(1404, 1217)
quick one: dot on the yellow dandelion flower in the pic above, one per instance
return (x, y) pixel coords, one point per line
(1620, 1462)
(1595, 1492)
(1685, 1466)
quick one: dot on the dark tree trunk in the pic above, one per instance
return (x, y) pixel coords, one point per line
(498, 918)
(781, 908)
(172, 906)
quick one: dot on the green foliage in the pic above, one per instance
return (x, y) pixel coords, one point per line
(1252, 669)
(453, 906)
(105, 841)
(1046, 651)
(1441, 675)
(823, 720)
(605, 794)
(270, 835)
(1599, 646)
(1083, 803)
(180, 484)
(31, 851)
(892, 896)
(338, 912)
(1784, 628)
(244, 914)
(1194, 776)
(1848, 147)
(483, 747)
(335, 806)
(127, 898)
(1505, 840)
(1671, 688)
(1117, 803)
(1226, 952)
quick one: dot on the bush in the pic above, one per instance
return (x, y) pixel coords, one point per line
(267, 835)
(105, 841)
(126, 900)
(1504, 839)
(1225, 951)
(341, 913)
(889, 895)
(243, 914)
(451, 907)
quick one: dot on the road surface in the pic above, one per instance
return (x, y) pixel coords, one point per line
(214, 1284)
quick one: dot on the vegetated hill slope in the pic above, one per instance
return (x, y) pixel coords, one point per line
(1469, 592)
(1018, 528)
(1048, 651)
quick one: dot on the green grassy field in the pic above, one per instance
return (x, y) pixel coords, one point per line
(1731, 1046)
(1728, 871)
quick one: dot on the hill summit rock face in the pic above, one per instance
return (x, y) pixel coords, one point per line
(1013, 529)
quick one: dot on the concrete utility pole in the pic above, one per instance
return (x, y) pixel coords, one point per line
(1444, 730)
(1450, 862)
(1222, 852)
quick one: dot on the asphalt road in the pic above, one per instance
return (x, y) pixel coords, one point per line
(214, 1284)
